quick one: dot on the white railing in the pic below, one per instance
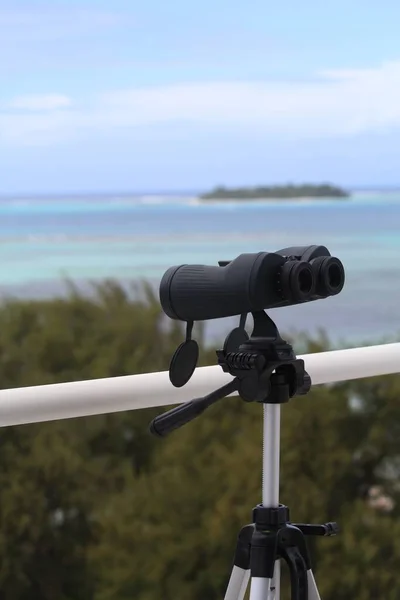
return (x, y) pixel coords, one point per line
(101, 396)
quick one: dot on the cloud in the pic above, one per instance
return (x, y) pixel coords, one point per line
(41, 102)
(336, 104)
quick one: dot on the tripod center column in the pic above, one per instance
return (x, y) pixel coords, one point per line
(271, 455)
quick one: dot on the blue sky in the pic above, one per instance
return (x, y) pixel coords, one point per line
(152, 95)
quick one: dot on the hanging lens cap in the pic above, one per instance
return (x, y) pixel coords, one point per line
(234, 339)
(183, 363)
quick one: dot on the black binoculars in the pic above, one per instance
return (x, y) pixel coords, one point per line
(251, 282)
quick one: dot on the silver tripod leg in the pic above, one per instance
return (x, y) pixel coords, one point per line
(262, 588)
(238, 583)
(267, 589)
(313, 593)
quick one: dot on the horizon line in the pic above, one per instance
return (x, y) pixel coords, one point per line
(178, 192)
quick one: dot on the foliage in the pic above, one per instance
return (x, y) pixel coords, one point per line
(324, 190)
(96, 509)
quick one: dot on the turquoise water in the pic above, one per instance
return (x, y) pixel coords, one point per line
(43, 241)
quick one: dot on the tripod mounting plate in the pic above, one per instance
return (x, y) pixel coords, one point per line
(264, 367)
(264, 364)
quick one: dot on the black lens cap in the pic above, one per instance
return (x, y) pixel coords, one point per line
(234, 339)
(183, 363)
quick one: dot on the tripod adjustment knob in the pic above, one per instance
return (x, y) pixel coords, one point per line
(306, 385)
(253, 388)
(265, 517)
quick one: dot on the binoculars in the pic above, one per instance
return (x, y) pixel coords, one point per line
(250, 282)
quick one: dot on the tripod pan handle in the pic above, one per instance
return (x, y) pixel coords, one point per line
(180, 415)
(163, 424)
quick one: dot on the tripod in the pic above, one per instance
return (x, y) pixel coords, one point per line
(271, 537)
(266, 370)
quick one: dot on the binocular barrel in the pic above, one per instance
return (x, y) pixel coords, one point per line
(249, 283)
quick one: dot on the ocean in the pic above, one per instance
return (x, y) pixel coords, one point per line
(43, 241)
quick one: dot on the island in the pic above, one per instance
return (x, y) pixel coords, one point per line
(277, 192)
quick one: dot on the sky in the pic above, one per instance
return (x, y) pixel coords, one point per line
(122, 96)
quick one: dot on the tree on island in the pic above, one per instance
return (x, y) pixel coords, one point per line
(324, 190)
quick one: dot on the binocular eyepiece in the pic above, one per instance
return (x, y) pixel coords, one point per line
(251, 282)
(304, 279)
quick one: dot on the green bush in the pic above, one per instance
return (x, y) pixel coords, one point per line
(96, 509)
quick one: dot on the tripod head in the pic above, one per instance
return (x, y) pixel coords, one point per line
(264, 367)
